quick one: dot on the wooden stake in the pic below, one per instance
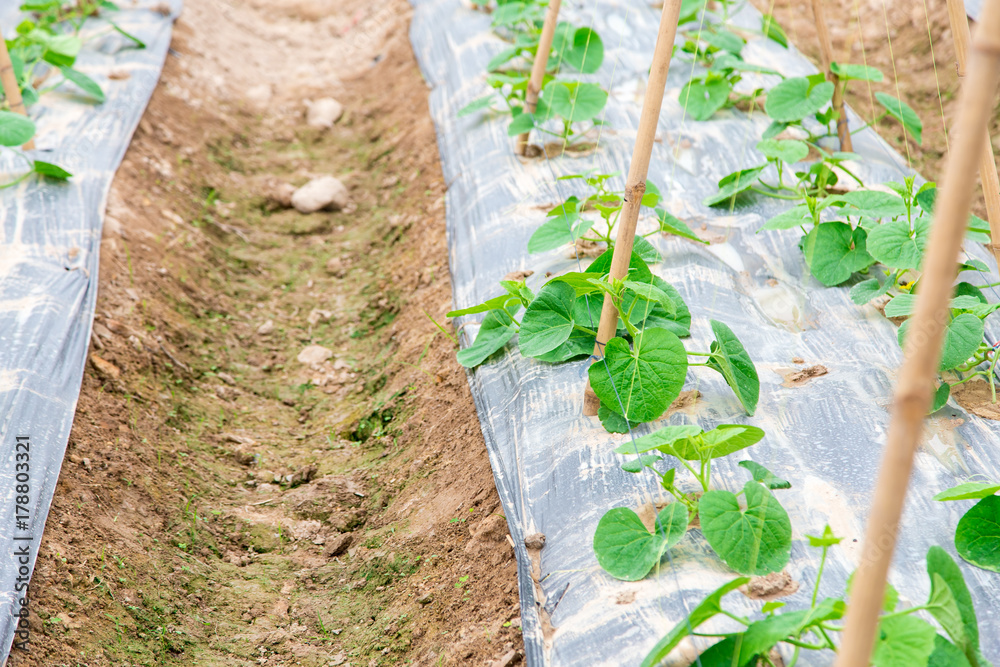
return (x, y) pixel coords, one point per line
(826, 53)
(635, 185)
(10, 88)
(987, 164)
(539, 66)
(922, 351)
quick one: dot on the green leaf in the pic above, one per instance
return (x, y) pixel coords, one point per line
(677, 321)
(638, 269)
(647, 379)
(761, 636)
(706, 609)
(494, 333)
(496, 303)
(612, 421)
(895, 245)
(827, 539)
(85, 83)
(786, 150)
(834, 251)
(734, 184)
(522, 122)
(941, 395)
(796, 98)
(575, 101)
(947, 654)
(558, 231)
(651, 293)
(15, 129)
(50, 170)
(797, 216)
(902, 112)
(939, 563)
(637, 465)
(503, 57)
(725, 439)
(723, 39)
(944, 608)
(701, 99)
(117, 28)
(765, 476)
(548, 321)
(626, 550)
(484, 102)
(977, 536)
(663, 440)
(770, 28)
(961, 339)
(671, 225)
(652, 195)
(904, 641)
(586, 53)
(867, 290)
(873, 204)
(757, 540)
(730, 358)
(969, 491)
(61, 50)
(848, 72)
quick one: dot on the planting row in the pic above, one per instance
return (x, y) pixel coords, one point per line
(871, 235)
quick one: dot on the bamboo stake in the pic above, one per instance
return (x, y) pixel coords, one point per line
(538, 67)
(10, 88)
(635, 185)
(826, 53)
(922, 351)
(987, 164)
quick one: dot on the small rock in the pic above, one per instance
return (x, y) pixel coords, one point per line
(104, 368)
(278, 192)
(314, 354)
(303, 475)
(227, 378)
(266, 328)
(338, 544)
(320, 193)
(518, 276)
(509, 658)
(244, 456)
(535, 541)
(267, 488)
(259, 94)
(323, 112)
(316, 316)
(425, 599)
(335, 267)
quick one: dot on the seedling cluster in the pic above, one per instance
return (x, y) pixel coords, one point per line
(872, 236)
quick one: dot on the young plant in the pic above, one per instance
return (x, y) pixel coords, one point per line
(570, 105)
(752, 538)
(595, 217)
(904, 638)
(977, 536)
(645, 365)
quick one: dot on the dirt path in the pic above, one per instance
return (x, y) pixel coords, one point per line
(222, 502)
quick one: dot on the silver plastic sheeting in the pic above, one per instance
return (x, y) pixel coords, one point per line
(556, 470)
(50, 236)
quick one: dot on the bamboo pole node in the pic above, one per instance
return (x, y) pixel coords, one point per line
(538, 68)
(635, 184)
(11, 89)
(922, 350)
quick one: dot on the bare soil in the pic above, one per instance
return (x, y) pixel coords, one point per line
(221, 502)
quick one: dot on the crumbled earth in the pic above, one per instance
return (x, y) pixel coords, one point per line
(976, 397)
(275, 458)
(796, 377)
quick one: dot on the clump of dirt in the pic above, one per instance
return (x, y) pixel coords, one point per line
(798, 377)
(227, 498)
(770, 587)
(975, 396)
